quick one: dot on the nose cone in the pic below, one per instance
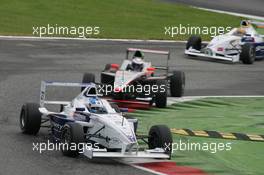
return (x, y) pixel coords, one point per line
(120, 132)
(126, 132)
(220, 43)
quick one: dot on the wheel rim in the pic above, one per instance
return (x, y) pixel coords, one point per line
(251, 53)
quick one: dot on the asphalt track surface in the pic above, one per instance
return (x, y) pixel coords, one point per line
(24, 63)
(250, 7)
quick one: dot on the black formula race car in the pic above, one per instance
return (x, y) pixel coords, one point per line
(138, 79)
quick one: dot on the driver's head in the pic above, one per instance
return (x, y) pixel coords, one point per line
(94, 105)
(138, 54)
(137, 64)
(137, 61)
(244, 23)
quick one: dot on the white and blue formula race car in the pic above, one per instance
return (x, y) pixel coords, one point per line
(245, 44)
(89, 119)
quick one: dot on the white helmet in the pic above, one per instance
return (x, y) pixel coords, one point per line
(137, 64)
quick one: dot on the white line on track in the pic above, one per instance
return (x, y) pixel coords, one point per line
(232, 13)
(86, 39)
(134, 161)
(146, 169)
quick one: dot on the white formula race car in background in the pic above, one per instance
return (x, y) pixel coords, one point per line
(138, 71)
(245, 44)
(89, 119)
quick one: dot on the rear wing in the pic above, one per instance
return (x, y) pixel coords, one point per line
(148, 51)
(159, 52)
(45, 84)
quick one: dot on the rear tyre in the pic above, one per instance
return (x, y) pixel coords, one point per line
(248, 53)
(88, 78)
(71, 136)
(161, 95)
(195, 42)
(160, 137)
(30, 118)
(177, 84)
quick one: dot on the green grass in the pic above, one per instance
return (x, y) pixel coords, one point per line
(245, 115)
(137, 19)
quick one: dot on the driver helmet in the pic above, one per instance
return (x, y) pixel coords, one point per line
(245, 23)
(139, 54)
(94, 105)
(137, 62)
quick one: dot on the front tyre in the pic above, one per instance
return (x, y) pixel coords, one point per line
(195, 42)
(177, 84)
(71, 136)
(160, 137)
(30, 118)
(248, 53)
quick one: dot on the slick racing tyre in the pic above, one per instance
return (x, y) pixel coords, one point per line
(88, 78)
(72, 136)
(160, 137)
(30, 118)
(248, 53)
(161, 95)
(177, 84)
(195, 42)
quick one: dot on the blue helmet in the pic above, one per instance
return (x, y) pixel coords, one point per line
(95, 105)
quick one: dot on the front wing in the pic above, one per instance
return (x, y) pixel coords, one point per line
(193, 52)
(153, 153)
